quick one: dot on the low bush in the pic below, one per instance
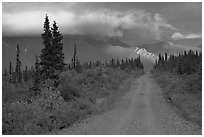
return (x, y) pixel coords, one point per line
(47, 112)
(12, 92)
(185, 92)
(92, 83)
(57, 108)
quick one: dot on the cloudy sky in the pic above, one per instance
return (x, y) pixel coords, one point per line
(152, 21)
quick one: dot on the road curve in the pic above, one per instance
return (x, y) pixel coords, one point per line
(142, 110)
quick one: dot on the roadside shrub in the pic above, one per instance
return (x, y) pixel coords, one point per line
(7, 91)
(91, 83)
(45, 113)
(185, 92)
(12, 92)
(54, 109)
(69, 93)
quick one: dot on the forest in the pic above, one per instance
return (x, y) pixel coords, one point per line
(185, 63)
(180, 76)
(52, 95)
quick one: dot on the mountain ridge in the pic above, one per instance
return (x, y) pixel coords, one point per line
(89, 48)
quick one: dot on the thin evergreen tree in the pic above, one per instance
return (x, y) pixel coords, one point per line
(36, 81)
(166, 57)
(112, 62)
(10, 68)
(18, 66)
(47, 52)
(58, 47)
(74, 57)
(10, 72)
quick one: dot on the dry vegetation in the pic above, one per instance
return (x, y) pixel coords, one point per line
(78, 95)
(184, 92)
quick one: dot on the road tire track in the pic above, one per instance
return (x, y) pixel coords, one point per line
(142, 110)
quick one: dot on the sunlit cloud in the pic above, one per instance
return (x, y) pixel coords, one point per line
(178, 35)
(98, 23)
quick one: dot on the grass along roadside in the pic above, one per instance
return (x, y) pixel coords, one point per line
(77, 97)
(109, 102)
(184, 92)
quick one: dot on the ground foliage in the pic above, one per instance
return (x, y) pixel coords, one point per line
(181, 80)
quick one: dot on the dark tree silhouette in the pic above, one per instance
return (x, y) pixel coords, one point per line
(52, 57)
(112, 63)
(10, 68)
(36, 81)
(186, 62)
(18, 66)
(74, 58)
(47, 52)
(10, 72)
(58, 57)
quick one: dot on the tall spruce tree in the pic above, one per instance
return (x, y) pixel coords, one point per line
(166, 57)
(18, 66)
(47, 52)
(10, 68)
(58, 47)
(74, 57)
(10, 71)
(52, 58)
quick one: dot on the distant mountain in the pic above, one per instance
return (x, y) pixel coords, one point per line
(172, 47)
(105, 41)
(155, 47)
(116, 42)
(188, 42)
(88, 48)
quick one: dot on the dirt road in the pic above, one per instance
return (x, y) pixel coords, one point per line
(141, 111)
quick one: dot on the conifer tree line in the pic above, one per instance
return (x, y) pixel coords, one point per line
(184, 63)
(128, 63)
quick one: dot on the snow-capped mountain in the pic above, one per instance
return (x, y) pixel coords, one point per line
(147, 55)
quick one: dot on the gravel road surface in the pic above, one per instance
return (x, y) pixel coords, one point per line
(142, 110)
